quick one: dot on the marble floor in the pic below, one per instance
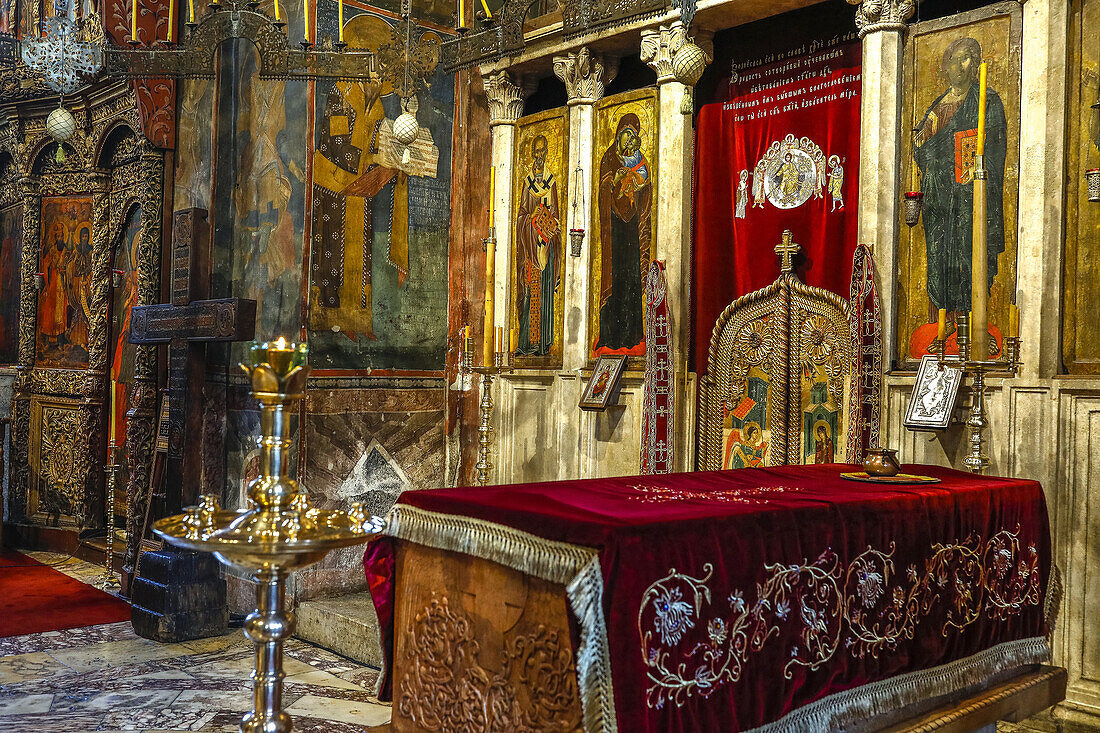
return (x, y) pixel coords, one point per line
(106, 678)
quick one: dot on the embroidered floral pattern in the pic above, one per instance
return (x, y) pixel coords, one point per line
(818, 606)
(672, 616)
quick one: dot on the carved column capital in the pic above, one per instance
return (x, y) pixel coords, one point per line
(505, 99)
(583, 74)
(659, 45)
(882, 15)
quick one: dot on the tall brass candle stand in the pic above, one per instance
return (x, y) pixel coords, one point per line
(485, 426)
(977, 461)
(108, 581)
(279, 534)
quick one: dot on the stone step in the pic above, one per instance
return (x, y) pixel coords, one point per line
(346, 625)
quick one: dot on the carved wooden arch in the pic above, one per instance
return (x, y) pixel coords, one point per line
(137, 179)
(41, 159)
(113, 130)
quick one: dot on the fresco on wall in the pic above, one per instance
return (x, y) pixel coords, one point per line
(11, 256)
(941, 110)
(540, 200)
(194, 145)
(378, 249)
(624, 238)
(65, 263)
(124, 353)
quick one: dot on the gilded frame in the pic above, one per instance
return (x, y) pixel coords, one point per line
(554, 126)
(998, 28)
(645, 104)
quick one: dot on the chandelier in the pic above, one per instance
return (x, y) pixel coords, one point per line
(70, 52)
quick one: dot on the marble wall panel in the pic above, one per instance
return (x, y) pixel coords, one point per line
(367, 445)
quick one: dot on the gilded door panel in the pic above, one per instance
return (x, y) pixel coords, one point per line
(743, 421)
(820, 363)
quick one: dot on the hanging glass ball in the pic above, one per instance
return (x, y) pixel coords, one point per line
(406, 128)
(688, 63)
(60, 125)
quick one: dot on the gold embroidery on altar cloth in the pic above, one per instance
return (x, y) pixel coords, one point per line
(664, 494)
(866, 606)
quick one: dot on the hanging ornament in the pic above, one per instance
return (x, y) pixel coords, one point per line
(60, 125)
(688, 64)
(405, 131)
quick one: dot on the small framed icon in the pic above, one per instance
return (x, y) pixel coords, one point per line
(934, 395)
(603, 383)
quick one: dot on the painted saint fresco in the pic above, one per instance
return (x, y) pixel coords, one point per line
(539, 200)
(66, 266)
(11, 255)
(378, 248)
(123, 353)
(624, 240)
(942, 112)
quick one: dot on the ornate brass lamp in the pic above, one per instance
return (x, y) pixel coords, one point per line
(279, 534)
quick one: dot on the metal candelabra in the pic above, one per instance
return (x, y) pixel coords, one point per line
(500, 365)
(108, 581)
(279, 534)
(977, 461)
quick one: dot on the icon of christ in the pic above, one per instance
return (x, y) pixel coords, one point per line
(538, 244)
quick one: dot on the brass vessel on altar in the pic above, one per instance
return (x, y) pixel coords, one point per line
(280, 532)
(881, 462)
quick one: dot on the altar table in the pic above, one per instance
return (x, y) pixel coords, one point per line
(764, 599)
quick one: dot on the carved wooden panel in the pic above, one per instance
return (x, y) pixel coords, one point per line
(59, 461)
(480, 648)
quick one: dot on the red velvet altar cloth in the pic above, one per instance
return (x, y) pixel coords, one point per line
(733, 598)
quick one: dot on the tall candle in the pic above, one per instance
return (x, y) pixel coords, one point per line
(306, 21)
(492, 192)
(485, 5)
(171, 18)
(191, 11)
(340, 19)
(941, 330)
(114, 396)
(979, 263)
(276, 9)
(490, 268)
(133, 23)
(1013, 320)
(461, 14)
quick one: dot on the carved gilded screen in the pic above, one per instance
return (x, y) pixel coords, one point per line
(540, 200)
(65, 265)
(820, 362)
(1081, 331)
(11, 256)
(743, 417)
(940, 109)
(58, 459)
(624, 230)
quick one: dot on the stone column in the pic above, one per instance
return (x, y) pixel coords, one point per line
(1041, 226)
(505, 107)
(882, 25)
(583, 74)
(673, 188)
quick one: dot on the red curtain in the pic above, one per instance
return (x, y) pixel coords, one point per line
(764, 162)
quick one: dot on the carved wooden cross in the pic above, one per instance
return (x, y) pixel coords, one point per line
(787, 249)
(186, 324)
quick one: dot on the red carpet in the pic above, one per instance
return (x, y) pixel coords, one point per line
(39, 598)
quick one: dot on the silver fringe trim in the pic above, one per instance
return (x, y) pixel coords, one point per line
(843, 708)
(575, 567)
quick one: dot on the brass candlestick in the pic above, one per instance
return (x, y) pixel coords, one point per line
(500, 365)
(279, 534)
(108, 581)
(977, 461)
